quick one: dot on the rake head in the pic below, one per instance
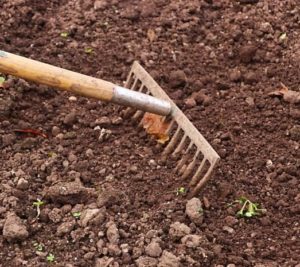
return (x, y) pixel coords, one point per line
(196, 157)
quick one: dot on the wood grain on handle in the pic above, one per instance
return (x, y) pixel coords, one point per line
(46, 74)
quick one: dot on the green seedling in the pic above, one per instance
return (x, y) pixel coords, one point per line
(38, 203)
(52, 154)
(38, 246)
(88, 50)
(50, 258)
(283, 36)
(180, 191)
(2, 80)
(64, 34)
(76, 214)
(249, 209)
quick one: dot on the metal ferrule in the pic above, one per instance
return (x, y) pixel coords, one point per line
(140, 101)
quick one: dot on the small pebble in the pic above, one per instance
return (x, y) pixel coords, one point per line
(89, 153)
(72, 98)
(190, 102)
(228, 229)
(22, 184)
(55, 130)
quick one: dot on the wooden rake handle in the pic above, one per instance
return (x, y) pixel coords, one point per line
(84, 85)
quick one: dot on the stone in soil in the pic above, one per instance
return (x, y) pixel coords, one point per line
(100, 4)
(250, 101)
(178, 230)
(112, 233)
(153, 249)
(295, 113)
(109, 196)
(148, 9)
(70, 118)
(104, 262)
(55, 215)
(14, 229)
(247, 53)
(113, 249)
(65, 227)
(250, 77)
(193, 241)
(55, 130)
(22, 184)
(8, 139)
(235, 75)
(88, 215)
(190, 102)
(295, 133)
(194, 210)
(5, 106)
(70, 193)
(145, 261)
(231, 220)
(177, 79)
(103, 121)
(168, 260)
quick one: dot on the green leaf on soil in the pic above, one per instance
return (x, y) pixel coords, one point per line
(52, 154)
(50, 258)
(200, 211)
(38, 246)
(76, 214)
(180, 191)
(64, 34)
(249, 209)
(88, 50)
(283, 36)
(2, 80)
(38, 203)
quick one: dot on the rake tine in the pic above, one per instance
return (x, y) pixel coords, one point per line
(180, 146)
(198, 173)
(172, 143)
(137, 115)
(133, 87)
(191, 166)
(202, 182)
(184, 158)
(170, 126)
(129, 79)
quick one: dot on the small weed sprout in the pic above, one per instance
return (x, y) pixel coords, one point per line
(76, 214)
(50, 258)
(249, 209)
(38, 203)
(88, 50)
(200, 211)
(38, 246)
(2, 80)
(52, 154)
(64, 34)
(282, 36)
(180, 191)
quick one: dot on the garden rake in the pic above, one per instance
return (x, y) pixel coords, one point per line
(196, 157)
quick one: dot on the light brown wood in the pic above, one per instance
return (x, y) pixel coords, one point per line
(46, 74)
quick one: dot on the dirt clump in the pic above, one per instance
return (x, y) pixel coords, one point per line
(14, 229)
(106, 195)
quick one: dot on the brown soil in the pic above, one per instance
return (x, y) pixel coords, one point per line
(232, 53)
